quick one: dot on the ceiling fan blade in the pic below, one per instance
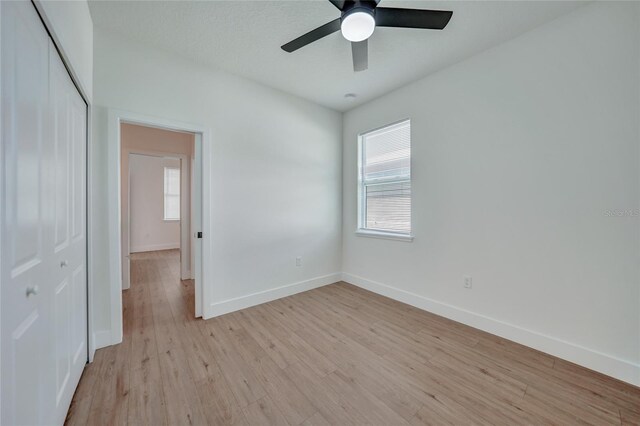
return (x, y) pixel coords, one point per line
(360, 52)
(313, 35)
(344, 4)
(412, 18)
(338, 3)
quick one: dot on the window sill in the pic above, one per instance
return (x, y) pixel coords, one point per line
(384, 235)
(171, 220)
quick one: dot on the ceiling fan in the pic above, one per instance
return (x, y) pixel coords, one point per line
(359, 19)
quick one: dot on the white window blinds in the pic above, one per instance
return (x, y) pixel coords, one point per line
(171, 193)
(385, 179)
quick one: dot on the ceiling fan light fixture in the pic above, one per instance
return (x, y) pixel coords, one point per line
(358, 25)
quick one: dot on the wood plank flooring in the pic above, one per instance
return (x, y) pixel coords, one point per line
(335, 355)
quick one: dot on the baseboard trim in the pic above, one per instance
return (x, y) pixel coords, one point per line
(187, 276)
(235, 304)
(154, 247)
(102, 339)
(606, 364)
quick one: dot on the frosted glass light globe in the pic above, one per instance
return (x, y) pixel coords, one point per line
(358, 26)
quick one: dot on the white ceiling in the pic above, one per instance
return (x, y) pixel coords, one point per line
(244, 38)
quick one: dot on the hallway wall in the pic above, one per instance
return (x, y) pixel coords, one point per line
(276, 164)
(148, 229)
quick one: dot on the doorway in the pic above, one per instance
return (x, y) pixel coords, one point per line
(156, 195)
(191, 235)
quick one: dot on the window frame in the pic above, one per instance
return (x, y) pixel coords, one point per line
(361, 229)
(165, 194)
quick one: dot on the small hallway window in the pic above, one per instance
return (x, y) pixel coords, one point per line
(171, 193)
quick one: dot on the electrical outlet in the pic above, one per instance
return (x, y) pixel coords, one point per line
(467, 281)
(298, 261)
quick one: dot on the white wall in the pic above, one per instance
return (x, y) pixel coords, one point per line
(72, 28)
(149, 230)
(276, 163)
(519, 154)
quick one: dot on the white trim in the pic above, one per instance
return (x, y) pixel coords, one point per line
(113, 186)
(154, 247)
(391, 126)
(91, 344)
(2, 209)
(621, 369)
(196, 200)
(235, 304)
(186, 204)
(384, 235)
(361, 218)
(115, 118)
(102, 339)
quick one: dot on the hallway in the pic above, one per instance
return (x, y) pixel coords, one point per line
(158, 318)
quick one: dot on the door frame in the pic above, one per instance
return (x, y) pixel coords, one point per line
(185, 208)
(115, 118)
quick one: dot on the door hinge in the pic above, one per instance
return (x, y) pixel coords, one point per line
(199, 234)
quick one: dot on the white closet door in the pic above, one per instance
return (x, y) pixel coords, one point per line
(26, 221)
(43, 266)
(68, 325)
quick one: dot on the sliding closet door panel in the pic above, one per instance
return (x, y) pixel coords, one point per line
(69, 299)
(60, 326)
(61, 131)
(26, 223)
(77, 267)
(78, 111)
(23, 400)
(79, 319)
(26, 85)
(43, 222)
(78, 231)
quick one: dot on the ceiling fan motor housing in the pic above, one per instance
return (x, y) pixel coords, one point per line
(359, 6)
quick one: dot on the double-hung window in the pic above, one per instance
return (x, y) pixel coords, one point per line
(384, 192)
(171, 193)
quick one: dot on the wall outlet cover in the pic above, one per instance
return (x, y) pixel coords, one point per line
(468, 282)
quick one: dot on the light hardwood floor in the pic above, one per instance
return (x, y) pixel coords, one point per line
(335, 355)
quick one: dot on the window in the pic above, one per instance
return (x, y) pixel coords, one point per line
(384, 204)
(171, 193)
